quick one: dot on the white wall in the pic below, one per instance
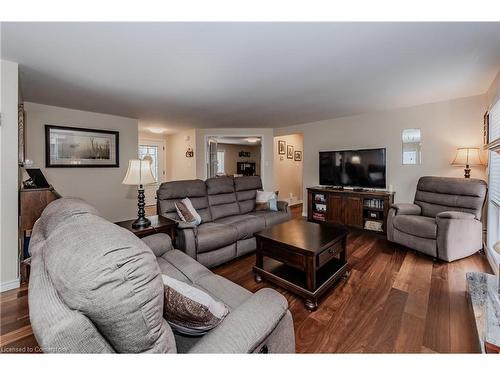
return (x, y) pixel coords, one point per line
(178, 166)
(267, 150)
(101, 187)
(445, 126)
(493, 93)
(9, 258)
(288, 172)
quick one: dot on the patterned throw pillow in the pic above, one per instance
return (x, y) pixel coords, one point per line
(187, 212)
(190, 311)
(266, 201)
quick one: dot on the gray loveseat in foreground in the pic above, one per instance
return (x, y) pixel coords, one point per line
(229, 220)
(444, 221)
(97, 288)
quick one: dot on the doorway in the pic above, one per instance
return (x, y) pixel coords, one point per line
(155, 150)
(289, 168)
(234, 156)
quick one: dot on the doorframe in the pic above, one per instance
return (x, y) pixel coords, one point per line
(238, 135)
(164, 147)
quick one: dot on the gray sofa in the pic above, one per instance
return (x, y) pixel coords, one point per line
(229, 220)
(444, 220)
(96, 288)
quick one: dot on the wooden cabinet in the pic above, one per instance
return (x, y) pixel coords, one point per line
(357, 209)
(353, 211)
(336, 209)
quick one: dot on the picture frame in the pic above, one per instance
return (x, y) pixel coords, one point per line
(486, 128)
(281, 147)
(289, 152)
(71, 147)
(297, 156)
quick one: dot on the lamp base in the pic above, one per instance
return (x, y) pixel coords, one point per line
(141, 222)
(467, 171)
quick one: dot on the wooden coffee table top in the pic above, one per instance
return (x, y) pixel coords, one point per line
(304, 235)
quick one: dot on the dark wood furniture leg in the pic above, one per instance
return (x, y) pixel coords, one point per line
(259, 261)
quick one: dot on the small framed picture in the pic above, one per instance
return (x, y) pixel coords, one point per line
(486, 128)
(68, 147)
(281, 147)
(289, 152)
(297, 156)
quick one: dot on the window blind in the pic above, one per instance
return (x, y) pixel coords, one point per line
(494, 131)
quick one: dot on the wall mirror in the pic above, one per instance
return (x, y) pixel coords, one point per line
(412, 146)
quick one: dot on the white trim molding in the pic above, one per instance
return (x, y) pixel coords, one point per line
(8, 285)
(492, 260)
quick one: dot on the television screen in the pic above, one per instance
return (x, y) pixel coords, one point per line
(353, 168)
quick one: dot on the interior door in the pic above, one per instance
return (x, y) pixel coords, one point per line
(156, 150)
(212, 158)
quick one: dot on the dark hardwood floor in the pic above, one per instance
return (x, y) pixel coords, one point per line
(394, 301)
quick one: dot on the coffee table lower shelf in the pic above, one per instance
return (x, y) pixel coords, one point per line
(294, 280)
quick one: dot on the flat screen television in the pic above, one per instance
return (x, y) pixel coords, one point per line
(353, 168)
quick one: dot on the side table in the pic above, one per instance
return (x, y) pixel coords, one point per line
(159, 224)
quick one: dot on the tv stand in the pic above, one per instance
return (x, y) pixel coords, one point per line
(361, 209)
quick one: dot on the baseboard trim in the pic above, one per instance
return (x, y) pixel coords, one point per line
(8, 285)
(492, 261)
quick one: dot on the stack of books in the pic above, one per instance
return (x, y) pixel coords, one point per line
(373, 225)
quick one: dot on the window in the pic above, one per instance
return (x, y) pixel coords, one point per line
(412, 143)
(220, 162)
(493, 231)
(152, 151)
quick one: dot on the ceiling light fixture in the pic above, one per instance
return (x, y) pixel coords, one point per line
(156, 130)
(252, 140)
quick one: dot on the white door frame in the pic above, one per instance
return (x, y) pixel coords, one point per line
(238, 135)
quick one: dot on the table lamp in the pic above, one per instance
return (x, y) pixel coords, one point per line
(139, 173)
(467, 157)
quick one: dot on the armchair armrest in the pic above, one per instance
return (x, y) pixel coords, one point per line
(247, 326)
(283, 206)
(456, 215)
(186, 238)
(406, 209)
(160, 243)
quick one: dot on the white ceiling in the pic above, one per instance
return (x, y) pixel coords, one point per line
(238, 140)
(183, 75)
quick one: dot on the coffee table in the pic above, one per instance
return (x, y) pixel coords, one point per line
(302, 257)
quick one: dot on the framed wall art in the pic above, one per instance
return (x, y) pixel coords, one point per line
(289, 152)
(281, 147)
(68, 147)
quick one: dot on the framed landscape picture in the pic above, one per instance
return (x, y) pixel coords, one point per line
(289, 152)
(281, 147)
(297, 156)
(68, 147)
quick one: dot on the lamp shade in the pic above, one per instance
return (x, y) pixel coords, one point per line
(467, 156)
(138, 173)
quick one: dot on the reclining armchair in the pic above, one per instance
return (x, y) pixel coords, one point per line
(444, 220)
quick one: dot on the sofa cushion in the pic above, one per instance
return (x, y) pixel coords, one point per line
(272, 217)
(246, 225)
(221, 197)
(212, 236)
(112, 277)
(438, 194)
(420, 226)
(171, 192)
(246, 188)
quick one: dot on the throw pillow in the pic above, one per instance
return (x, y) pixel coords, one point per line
(187, 212)
(190, 311)
(266, 200)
